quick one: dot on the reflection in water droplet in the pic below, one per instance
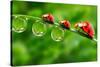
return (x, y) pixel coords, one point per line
(57, 34)
(38, 28)
(19, 25)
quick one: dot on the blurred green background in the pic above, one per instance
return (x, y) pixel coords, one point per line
(28, 49)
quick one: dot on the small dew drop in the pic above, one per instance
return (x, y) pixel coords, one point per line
(57, 34)
(38, 28)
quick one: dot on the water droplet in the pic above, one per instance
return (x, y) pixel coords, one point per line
(57, 34)
(38, 28)
(19, 25)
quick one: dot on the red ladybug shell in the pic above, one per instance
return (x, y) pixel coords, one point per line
(48, 18)
(86, 27)
(65, 24)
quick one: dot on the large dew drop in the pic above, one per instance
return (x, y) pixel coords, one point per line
(38, 28)
(19, 25)
(57, 34)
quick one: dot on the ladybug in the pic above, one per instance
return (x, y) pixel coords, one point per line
(48, 18)
(65, 24)
(86, 27)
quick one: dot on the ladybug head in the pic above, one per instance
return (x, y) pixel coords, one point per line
(79, 24)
